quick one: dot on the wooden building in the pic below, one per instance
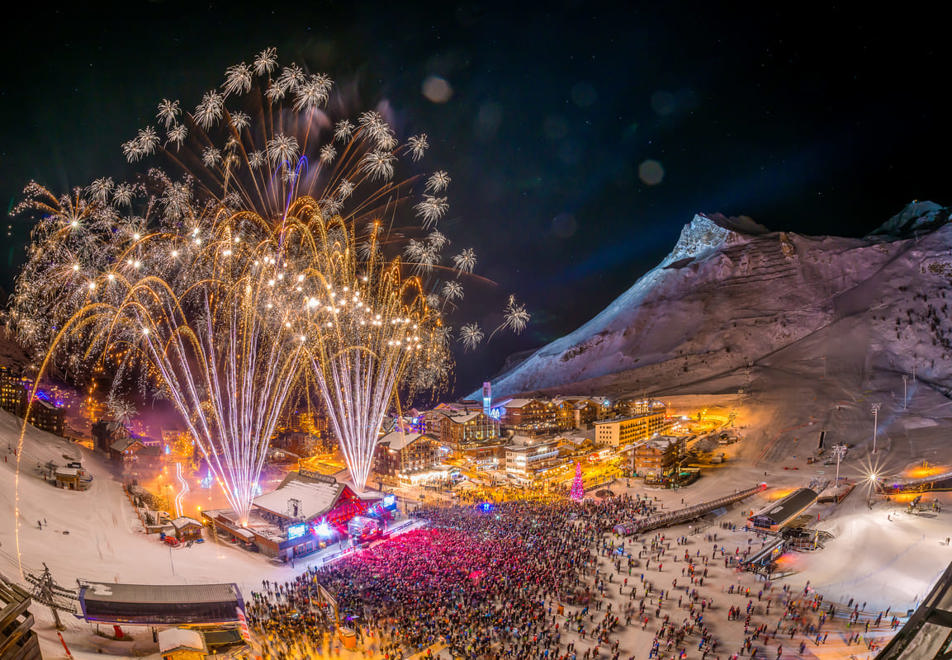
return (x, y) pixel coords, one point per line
(182, 644)
(72, 478)
(187, 529)
(17, 639)
(400, 454)
(461, 432)
(126, 450)
(300, 516)
(658, 459)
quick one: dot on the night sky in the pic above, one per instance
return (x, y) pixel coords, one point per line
(819, 121)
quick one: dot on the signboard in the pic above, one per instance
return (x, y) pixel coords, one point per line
(317, 476)
(296, 531)
(243, 625)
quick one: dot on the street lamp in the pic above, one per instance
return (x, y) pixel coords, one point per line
(905, 399)
(875, 408)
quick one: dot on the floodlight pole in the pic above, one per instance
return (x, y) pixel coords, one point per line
(905, 398)
(875, 408)
(839, 451)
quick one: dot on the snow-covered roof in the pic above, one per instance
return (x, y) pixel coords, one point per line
(313, 497)
(462, 419)
(108, 592)
(124, 444)
(184, 521)
(66, 472)
(397, 440)
(662, 442)
(171, 639)
(516, 403)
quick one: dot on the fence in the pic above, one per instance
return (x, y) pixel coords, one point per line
(683, 515)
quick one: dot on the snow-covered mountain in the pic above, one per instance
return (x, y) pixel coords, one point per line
(733, 296)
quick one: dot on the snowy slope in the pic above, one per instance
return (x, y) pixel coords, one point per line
(731, 294)
(95, 535)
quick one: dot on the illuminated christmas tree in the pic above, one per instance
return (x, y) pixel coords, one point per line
(578, 488)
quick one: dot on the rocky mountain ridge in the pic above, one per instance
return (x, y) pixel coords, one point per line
(732, 295)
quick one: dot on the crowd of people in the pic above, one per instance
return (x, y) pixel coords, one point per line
(526, 579)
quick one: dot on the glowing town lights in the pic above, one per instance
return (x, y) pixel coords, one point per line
(110, 277)
(145, 331)
(174, 253)
(74, 224)
(92, 286)
(75, 266)
(135, 237)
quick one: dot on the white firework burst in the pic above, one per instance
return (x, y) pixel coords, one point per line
(387, 142)
(373, 125)
(515, 316)
(452, 290)
(168, 112)
(465, 261)
(429, 257)
(470, 335)
(122, 194)
(211, 156)
(437, 239)
(148, 140)
(176, 200)
(418, 146)
(291, 76)
(430, 209)
(343, 130)
(413, 250)
(328, 152)
(100, 188)
(209, 110)
(312, 92)
(283, 149)
(266, 61)
(438, 182)
(240, 120)
(378, 164)
(131, 150)
(237, 79)
(257, 159)
(177, 134)
(345, 189)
